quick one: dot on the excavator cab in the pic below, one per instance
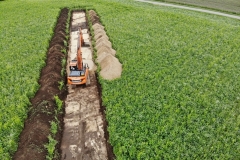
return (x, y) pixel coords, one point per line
(79, 72)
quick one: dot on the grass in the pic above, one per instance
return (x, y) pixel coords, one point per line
(179, 92)
(22, 57)
(178, 96)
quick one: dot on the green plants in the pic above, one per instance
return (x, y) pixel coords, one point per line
(54, 127)
(67, 25)
(61, 84)
(63, 70)
(59, 103)
(190, 61)
(64, 51)
(65, 43)
(175, 98)
(50, 146)
(63, 67)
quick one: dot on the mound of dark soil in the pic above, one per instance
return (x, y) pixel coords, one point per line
(37, 126)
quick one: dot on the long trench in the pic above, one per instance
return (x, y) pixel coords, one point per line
(83, 134)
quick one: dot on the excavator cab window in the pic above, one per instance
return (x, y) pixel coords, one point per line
(76, 73)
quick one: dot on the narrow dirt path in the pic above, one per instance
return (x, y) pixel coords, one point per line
(190, 8)
(83, 134)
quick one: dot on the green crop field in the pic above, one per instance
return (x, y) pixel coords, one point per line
(25, 30)
(232, 6)
(179, 94)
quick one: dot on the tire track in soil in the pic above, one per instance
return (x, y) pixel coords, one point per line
(42, 110)
(85, 128)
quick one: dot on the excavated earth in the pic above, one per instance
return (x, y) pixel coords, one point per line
(42, 110)
(84, 131)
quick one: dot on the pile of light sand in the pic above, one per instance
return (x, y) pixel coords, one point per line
(111, 68)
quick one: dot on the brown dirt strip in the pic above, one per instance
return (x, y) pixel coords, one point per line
(85, 133)
(111, 155)
(42, 111)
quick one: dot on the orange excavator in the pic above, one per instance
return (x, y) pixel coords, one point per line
(79, 73)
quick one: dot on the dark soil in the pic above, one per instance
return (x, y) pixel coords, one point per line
(37, 126)
(110, 153)
(42, 110)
